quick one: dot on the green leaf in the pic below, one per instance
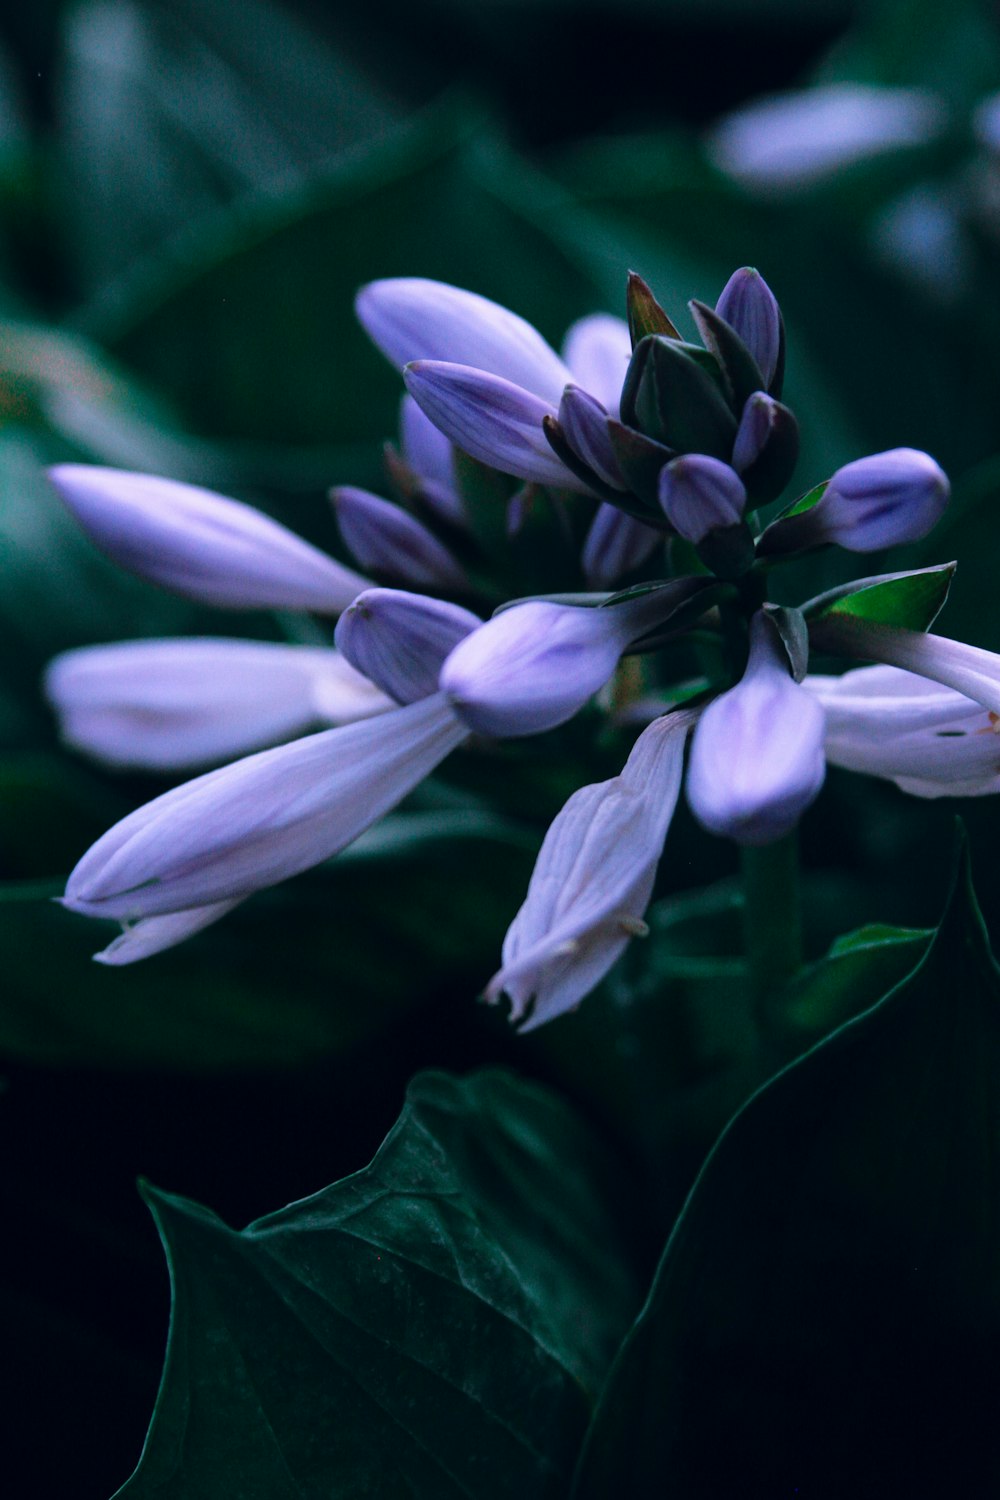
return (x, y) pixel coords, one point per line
(827, 1312)
(791, 627)
(912, 600)
(436, 1325)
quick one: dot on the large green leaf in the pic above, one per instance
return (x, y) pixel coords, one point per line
(827, 1312)
(436, 1325)
(910, 600)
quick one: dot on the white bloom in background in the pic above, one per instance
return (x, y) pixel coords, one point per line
(757, 754)
(173, 704)
(202, 545)
(789, 141)
(592, 881)
(930, 740)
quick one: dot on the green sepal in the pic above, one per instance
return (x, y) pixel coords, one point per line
(680, 400)
(771, 471)
(728, 551)
(826, 1316)
(437, 1324)
(740, 371)
(794, 633)
(803, 503)
(484, 493)
(911, 600)
(640, 459)
(644, 313)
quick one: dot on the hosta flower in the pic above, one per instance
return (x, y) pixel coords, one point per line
(592, 880)
(757, 754)
(930, 740)
(970, 670)
(173, 704)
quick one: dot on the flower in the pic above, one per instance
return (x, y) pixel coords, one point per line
(930, 740)
(592, 880)
(170, 704)
(757, 754)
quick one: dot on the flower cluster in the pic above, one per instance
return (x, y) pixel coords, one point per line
(672, 448)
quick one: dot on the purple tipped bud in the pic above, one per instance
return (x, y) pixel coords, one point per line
(757, 755)
(616, 544)
(766, 449)
(751, 309)
(584, 423)
(881, 501)
(387, 539)
(700, 494)
(400, 641)
(535, 665)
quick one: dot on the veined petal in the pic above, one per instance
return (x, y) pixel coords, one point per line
(387, 539)
(200, 544)
(431, 458)
(401, 640)
(535, 665)
(410, 319)
(930, 740)
(968, 669)
(262, 819)
(597, 350)
(592, 880)
(615, 545)
(155, 934)
(757, 754)
(493, 420)
(584, 422)
(174, 704)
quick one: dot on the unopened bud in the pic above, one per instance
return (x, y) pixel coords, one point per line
(766, 449)
(584, 423)
(400, 640)
(700, 494)
(388, 540)
(751, 309)
(880, 501)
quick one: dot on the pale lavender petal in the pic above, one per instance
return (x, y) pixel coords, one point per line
(493, 420)
(968, 669)
(155, 934)
(881, 501)
(262, 819)
(584, 422)
(757, 754)
(792, 140)
(699, 494)
(200, 544)
(616, 544)
(535, 665)
(401, 640)
(597, 349)
(431, 458)
(410, 319)
(174, 704)
(592, 880)
(387, 539)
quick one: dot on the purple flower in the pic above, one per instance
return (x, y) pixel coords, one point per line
(757, 754)
(401, 641)
(152, 935)
(592, 881)
(699, 494)
(174, 704)
(616, 544)
(202, 545)
(751, 309)
(387, 539)
(880, 501)
(969, 670)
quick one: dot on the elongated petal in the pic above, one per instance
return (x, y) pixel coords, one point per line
(535, 665)
(174, 704)
(263, 819)
(431, 459)
(493, 420)
(794, 139)
(410, 319)
(387, 539)
(401, 640)
(968, 669)
(592, 880)
(615, 545)
(584, 422)
(928, 739)
(757, 754)
(157, 934)
(202, 545)
(597, 349)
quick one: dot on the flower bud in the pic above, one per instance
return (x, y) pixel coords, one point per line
(766, 449)
(584, 424)
(882, 501)
(677, 398)
(700, 494)
(616, 544)
(751, 309)
(400, 640)
(757, 755)
(387, 539)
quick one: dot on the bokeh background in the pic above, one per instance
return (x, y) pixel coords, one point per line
(190, 195)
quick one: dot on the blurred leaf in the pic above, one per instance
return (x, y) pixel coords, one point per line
(953, 50)
(859, 969)
(435, 1325)
(827, 1312)
(297, 972)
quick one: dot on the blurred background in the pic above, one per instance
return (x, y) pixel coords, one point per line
(190, 195)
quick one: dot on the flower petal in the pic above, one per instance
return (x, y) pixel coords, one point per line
(493, 420)
(431, 458)
(413, 319)
(401, 640)
(616, 544)
(200, 544)
(174, 704)
(592, 880)
(156, 934)
(262, 819)
(597, 350)
(387, 539)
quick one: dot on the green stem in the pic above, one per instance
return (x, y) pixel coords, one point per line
(772, 916)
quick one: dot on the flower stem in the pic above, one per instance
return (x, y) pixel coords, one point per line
(772, 915)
